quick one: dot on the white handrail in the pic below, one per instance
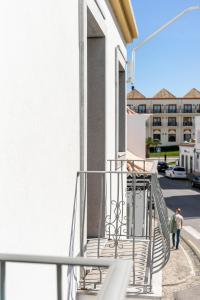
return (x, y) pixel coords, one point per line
(114, 286)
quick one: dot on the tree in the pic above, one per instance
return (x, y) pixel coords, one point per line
(149, 143)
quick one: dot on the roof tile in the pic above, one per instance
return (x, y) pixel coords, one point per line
(164, 94)
(193, 93)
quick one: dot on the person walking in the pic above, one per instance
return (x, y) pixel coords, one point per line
(175, 228)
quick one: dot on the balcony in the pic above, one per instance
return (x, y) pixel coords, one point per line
(172, 124)
(132, 224)
(187, 111)
(157, 124)
(131, 246)
(187, 123)
(156, 111)
(173, 111)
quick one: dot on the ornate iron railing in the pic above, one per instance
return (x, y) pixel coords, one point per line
(132, 213)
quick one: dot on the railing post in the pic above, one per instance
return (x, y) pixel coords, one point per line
(83, 213)
(2, 280)
(59, 281)
(110, 217)
(133, 221)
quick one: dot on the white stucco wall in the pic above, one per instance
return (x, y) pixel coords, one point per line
(113, 39)
(197, 133)
(197, 145)
(39, 136)
(187, 157)
(39, 133)
(136, 132)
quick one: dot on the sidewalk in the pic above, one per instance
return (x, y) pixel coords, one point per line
(177, 272)
(181, 277)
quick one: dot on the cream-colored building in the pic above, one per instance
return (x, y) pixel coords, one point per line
(172, 118)
(190, 152)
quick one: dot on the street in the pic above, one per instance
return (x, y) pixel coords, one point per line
(179, 193)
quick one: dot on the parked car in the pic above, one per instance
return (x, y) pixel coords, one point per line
(176, 172)
(162, 166)
(196, 181)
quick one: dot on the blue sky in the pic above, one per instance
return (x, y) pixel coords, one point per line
(172, 59)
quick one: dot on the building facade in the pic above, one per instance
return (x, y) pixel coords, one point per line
(136, 133)
(190, 152)
(172, 118)
(62, 110)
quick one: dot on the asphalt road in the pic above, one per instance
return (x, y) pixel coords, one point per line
(179, 193)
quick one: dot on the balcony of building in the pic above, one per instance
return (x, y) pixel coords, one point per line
(172, 124)
(131, 224)
(172, 111)
(187, 123)
(188, 111)
(131, 244)
(157, 123)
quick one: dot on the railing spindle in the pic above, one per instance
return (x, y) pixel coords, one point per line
(2, 280)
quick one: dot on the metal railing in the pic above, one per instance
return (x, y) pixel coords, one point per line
(161, 247)
(115, 283)
(187, 123)
(122, 229)
(157, 124)
(172, 124)
(188, 111)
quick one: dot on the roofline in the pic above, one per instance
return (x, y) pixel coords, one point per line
(177, 98)
(125, 16)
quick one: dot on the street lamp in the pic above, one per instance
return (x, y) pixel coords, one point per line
(131, 77)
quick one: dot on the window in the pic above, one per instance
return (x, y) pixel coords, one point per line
(187, 121)
(156, 108)
(182, 160)
(121, 107)
(172, 108)
(179, 169)
(187, 108)
(187, 137)
(172, 121)
(156, 136)
(172, 136)
(156, 121)
(142, 108)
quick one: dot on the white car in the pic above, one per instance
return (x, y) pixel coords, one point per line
(176, 172)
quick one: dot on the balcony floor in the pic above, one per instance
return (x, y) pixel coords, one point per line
(125, 249)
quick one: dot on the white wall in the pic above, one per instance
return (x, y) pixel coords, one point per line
(113, 39)
(39, 132)
(136, 132)
(197, 132)
(197, 144)
(187, 151)
(39, 135)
